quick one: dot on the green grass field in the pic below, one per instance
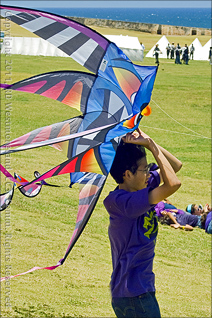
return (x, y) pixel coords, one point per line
(39, 229)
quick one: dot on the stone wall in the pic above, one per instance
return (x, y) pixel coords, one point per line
(144, 27)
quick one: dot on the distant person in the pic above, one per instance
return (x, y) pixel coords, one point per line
(179, 219)
(168, 50)
(182, 54)
(177, 54)
(172, 50)
(195, 209)
(185, 54)
(142, 46)
(198, 209)
(164, 205)
(210, 55)
(192, 49)
(206, 219)
(156, 54)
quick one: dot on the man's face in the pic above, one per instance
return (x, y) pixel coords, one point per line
(141, 176)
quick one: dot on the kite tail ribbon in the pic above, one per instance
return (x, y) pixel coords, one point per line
(30, 271)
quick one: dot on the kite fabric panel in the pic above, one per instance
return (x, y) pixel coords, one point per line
(70, 88)
(81, 43)
(111, 102)
(54, 135)
(6, 198)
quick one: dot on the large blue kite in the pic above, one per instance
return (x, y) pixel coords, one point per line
(112, 99)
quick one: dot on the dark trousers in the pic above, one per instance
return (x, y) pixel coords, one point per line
(143, 306)
(156, 58)
(177, 60)
(186, 58)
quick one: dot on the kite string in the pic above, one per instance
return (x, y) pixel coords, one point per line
(176, 132)
(178, 123)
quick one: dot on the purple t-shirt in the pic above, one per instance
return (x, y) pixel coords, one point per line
(132, 231)
(187, 218)
(161, 207)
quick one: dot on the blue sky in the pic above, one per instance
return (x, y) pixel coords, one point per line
(110, 4)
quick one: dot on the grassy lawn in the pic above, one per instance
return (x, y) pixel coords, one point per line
(40, 228)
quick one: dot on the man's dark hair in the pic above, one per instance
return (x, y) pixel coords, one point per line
(126, 158)
(165, 220)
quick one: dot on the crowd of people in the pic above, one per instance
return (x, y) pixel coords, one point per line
(180, 54)
(194, 216)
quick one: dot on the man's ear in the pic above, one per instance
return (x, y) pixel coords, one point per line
(128, 174)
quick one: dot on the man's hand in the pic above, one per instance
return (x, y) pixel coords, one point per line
(138, 137)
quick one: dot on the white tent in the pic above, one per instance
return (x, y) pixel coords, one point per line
(200, 53)
(37, 46)
(197, 49)
(162, 44)
(205, 50)
(30, 46)
(130, 45)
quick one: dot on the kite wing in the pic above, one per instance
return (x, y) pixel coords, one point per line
(81, 43)
(67, 87)
(112, 101)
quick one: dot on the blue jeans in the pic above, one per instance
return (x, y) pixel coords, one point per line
(143, 306)
(169, 206)
(209, 228)
(177, 60)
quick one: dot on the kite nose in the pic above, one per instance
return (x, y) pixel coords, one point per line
(146, 111)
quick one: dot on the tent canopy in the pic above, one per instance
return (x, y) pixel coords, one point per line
(30, 46)
(130, 45)
(205, 50)
(162, 44)
(125, 41)
(197, 49)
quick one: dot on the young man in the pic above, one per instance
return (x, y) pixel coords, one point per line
(133, 222)
(156, 54)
